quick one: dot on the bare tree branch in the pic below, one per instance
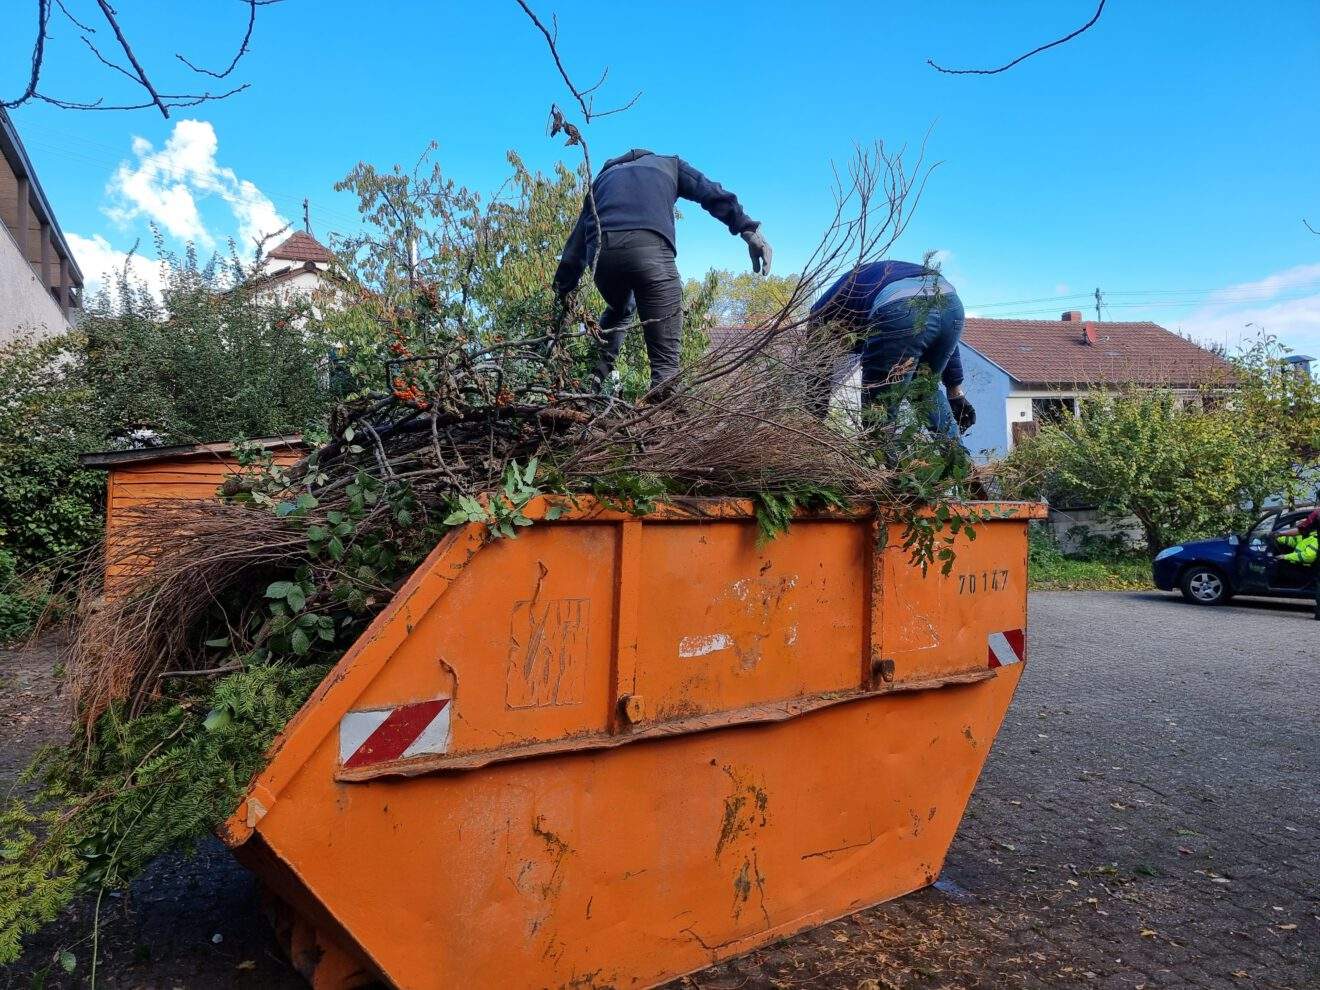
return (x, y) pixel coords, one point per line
(1306, 223)
(172, 100)
(77, 23)
(105, 61)
(583, 96)
(38, 55)
(1020, 58)
(109, 13)
(137, 74)
(242, 48)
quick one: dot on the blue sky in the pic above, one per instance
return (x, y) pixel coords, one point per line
(1167, 156)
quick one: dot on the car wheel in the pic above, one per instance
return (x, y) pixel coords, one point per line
(1205, 586)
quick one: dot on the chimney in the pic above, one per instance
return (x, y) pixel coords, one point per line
(1089, 336)
(1072, 316)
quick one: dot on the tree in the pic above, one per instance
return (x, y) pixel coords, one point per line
(1275, 410)
(216, 357)
(477, 270)
(1174, 467)
(213, 359)
(437, 262)
(743, 299)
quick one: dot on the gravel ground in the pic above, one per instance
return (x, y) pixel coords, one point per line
(1149, 817)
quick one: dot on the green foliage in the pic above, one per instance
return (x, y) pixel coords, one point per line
(1140, 453)
(503, 513)
(478, 272)
(219, 356)
(630, 491)
(142, 787)
(1275, 415)
(775, 510)
(23, 597)
(357, 546)
(743, 299)
(49, 507)
(1096, 568)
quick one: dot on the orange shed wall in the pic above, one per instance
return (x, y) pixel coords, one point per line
(132, 485)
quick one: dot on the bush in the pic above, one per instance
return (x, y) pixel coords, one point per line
(49, 507)
(22, 600)
(1176, 468)
(1097, 567)
(218, 357)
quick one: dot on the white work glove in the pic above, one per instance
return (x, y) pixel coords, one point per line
(759, 248)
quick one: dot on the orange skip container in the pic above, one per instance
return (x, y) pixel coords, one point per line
(618, 749)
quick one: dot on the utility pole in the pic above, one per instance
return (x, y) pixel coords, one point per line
(307, 218)
(1098, 302)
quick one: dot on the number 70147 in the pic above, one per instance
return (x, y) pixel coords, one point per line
(973, 582)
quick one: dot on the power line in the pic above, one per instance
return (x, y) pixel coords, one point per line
(1153, 304)
(1134, 298)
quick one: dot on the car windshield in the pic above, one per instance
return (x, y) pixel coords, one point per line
(1262, 528)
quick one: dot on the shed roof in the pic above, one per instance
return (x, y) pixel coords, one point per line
(114, 458)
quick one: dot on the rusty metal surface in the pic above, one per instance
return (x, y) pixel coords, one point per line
(806, 722)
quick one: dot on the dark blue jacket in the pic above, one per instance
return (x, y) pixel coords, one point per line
(637, 191)
(848, 302)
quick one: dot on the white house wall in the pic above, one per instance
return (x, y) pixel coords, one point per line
(25, 303)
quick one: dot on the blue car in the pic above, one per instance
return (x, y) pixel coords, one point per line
(1209, 572)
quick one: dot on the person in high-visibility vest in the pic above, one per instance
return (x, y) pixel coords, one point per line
(1304, 549)
(1305, 543)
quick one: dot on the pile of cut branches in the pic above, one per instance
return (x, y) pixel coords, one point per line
(292, 561)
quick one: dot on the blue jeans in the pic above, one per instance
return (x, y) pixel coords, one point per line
(923, 329)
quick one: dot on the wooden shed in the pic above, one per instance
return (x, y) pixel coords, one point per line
(188, 471)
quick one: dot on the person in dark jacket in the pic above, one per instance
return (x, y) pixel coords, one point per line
(1308, 526)
(903, 314)
(633, 212)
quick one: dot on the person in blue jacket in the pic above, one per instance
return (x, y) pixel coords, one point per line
(903, 315)
(634, 197)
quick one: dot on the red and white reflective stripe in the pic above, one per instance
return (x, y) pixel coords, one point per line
(1009, 646)
(383, 734)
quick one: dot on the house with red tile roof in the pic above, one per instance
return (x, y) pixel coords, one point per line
(1021, 373)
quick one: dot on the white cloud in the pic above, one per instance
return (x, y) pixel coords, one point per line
(100, 263)
(166, 185)
(1288, 280)
(1285, 304)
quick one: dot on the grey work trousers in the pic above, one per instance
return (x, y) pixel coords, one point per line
(636, 273)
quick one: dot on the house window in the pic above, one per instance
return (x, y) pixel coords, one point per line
(1051, 410)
